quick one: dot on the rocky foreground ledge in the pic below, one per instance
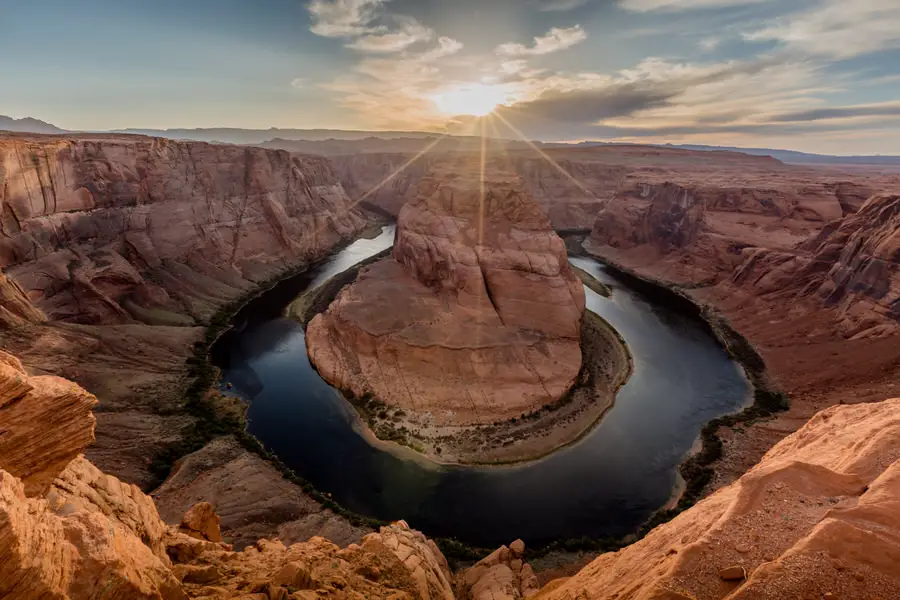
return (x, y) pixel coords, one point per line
(819, 517)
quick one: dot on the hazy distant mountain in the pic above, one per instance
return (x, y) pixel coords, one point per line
(27, 125)
(401, 145)
(792, 156)
(787, 156)
(339, 141)
(230, 135)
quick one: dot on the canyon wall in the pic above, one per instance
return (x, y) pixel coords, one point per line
(476, 318)
(117, 251)
(83, 534)
(817, 518)
(132, 229)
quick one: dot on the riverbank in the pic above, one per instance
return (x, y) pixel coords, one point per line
(698, 468)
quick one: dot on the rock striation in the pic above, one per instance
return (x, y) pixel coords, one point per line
(37, 457)
(117, 250)
(117, 229)
(666, 215)
(852, 265)
(476, 318)
(818, 517)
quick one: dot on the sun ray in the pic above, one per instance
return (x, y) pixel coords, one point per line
(547, 157)
(375, 189)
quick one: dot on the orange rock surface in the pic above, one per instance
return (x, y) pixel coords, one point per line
(819, 515)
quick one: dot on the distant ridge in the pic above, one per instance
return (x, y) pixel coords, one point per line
(341, 141)
(233, 135)
(27, 125)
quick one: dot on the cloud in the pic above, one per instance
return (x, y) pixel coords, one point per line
(590, 105)
(885, 109)
(673, 5)
(553, 41)
(558, 5)
(299, 83)
(364, 22)
(410, 32)
(343, 18)
(837, 28)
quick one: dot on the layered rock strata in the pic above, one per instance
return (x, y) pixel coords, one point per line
(819, 517)
(476, 318)
(116, 251)
(118, 229)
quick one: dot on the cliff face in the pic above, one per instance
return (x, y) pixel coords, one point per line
(84, 535)
(116, 250)
(122, 229)
(475, 319)
(666, 216)
(852, 265)
(819, 517)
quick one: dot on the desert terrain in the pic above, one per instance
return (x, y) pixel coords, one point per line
(124, 257)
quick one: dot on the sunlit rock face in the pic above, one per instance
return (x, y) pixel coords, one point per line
(476, 318)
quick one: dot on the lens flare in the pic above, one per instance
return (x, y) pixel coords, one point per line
(476, 100)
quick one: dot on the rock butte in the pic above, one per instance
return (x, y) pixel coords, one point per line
(477, 316)
(802, 261)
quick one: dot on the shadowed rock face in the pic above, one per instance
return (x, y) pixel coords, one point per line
(666, 215)
(853, 265)
(114, 229)
(477, 316)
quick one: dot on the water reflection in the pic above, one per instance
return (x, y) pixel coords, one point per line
(607, 484)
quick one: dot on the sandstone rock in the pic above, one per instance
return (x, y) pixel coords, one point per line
(849, 454)
(138, 241)
(91, 222)
(251, 497)
(46, 422)
(475, 319)
(499, 576)
(83, 487)
(667, 216)
(202, 519)
(735, 573)
(81, 555)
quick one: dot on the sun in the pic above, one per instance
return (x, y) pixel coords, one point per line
(477, 99)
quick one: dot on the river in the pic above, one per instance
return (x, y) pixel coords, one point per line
(607, 484)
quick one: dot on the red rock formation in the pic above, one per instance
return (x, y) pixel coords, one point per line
(475, 319)
(852, 265)
(116, 249)
(819, 517)
(119, 228)
(30, 449)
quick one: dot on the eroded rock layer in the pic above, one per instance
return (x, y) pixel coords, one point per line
(819, 517)
(476, 317)
(111, 229)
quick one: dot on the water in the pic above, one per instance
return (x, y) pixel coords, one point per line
(605, 485)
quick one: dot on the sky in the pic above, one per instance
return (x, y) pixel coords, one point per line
(813, 75)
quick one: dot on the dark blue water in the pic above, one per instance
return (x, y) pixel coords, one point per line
(607, 484)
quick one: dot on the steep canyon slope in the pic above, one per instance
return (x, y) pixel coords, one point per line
(474, 319)
(118, 251)
(817, 518)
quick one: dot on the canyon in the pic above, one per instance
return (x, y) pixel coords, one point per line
(121, 253)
